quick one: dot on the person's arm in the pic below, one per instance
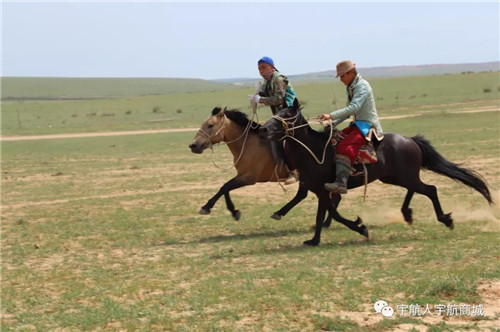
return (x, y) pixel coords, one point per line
(327, 116)
(278, 94)
(335, 123)
(360, 94)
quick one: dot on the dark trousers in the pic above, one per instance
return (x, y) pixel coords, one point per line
(279, 155)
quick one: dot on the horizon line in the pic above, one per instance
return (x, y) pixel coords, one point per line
(244, 78)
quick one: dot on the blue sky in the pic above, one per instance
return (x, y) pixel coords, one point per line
(225, 39)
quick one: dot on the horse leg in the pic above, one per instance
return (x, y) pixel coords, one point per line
(230, 206)
(328, 220)
(323, 202)
(335, 200)
(356, 225)
(333, 213)
(301, 194)
(405, 209)
(431, 192)
(234, 183)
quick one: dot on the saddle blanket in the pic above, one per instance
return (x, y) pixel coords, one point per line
(366, 155)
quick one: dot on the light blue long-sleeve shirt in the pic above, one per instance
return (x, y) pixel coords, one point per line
(362, 105)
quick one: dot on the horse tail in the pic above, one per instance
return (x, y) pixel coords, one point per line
(433, 161)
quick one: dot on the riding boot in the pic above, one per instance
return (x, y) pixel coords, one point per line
(343, 169)
(278, 153)
(280, 159)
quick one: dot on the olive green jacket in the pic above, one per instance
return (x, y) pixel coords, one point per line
(277, 90)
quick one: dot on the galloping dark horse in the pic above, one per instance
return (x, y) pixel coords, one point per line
(399, 162)
(252, 157)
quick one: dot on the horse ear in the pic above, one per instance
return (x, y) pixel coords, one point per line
(284, 105)
(296, 105)
(221, 112)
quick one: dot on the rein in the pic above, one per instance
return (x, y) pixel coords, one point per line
(290, 132)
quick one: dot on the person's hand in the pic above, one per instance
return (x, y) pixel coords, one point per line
(258, 87)
(325, 117)
(254, 98)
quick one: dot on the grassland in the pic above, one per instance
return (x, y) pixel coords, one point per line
(103, 234)
(53, 88)
(185, 109)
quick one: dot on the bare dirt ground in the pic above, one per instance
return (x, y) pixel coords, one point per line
(98, 134)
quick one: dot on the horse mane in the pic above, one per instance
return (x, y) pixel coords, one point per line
(238, 117)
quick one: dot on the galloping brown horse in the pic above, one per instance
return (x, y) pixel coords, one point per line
(252, 157)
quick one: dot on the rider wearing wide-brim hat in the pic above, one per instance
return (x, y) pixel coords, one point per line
(366, 124)
(275, 92)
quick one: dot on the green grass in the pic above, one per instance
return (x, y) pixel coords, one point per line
(45, 88)
(181, 109)
(103, 234)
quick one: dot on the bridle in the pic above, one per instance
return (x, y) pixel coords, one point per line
(289, 131)
(218, 132)
(243, 134)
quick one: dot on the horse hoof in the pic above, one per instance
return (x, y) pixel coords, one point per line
(367, 234)
(237, 215)
(447, 220)
(276, 216)
(311, 243)
(408, 216)
(203, 211)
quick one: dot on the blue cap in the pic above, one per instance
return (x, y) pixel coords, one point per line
(267, 60)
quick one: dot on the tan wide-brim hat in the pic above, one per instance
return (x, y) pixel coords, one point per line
(344, 66)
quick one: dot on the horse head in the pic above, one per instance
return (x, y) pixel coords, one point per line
(283, 123)
(211, 131)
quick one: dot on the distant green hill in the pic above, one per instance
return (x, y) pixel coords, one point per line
(382, 72)
(402, 71)
(26, 88)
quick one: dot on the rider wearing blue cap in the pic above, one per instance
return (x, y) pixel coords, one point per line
(275, 91)
(276, 88)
